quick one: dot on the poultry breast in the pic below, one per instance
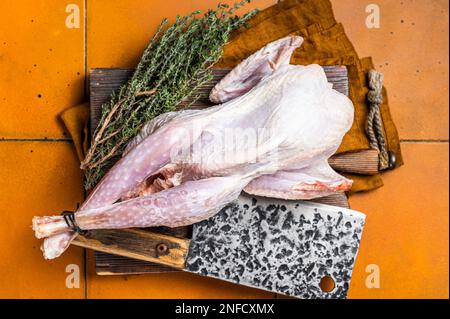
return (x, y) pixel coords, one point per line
(271, 135)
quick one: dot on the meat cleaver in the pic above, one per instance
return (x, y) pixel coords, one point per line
(299, 249)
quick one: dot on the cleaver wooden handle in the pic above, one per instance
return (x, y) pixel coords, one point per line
(138, 244)
(362, 162)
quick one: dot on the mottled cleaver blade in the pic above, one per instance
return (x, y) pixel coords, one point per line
(282, 246)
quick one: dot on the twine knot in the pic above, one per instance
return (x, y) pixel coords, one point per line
(374, 126)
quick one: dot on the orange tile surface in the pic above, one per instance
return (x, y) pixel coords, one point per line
(407, 226)
(37, 178)
(42, 67)
(411, 48)
(119, 30)
(406, 232)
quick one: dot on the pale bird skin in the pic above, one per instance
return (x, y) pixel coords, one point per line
(304, 121)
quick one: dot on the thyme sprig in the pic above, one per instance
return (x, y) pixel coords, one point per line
(177, 60)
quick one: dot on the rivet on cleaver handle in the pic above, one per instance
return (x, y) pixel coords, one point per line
(281, 246)
(137, 244)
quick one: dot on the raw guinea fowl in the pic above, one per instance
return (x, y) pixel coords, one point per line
(271, 135)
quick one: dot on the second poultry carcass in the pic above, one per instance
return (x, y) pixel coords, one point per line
(271, 135)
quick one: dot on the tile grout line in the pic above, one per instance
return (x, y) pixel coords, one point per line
(424, 140)
(86, 92)
(3, 139)
(86, 79)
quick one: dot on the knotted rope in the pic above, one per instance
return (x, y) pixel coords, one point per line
(374, 127)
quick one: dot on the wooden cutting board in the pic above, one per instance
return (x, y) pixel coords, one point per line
(104, 81)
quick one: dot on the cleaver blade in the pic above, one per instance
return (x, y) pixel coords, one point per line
(286, 247)
(281, 246)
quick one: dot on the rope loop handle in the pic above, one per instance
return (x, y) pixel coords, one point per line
(374, 125)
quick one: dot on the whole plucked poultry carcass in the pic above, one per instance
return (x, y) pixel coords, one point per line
(271, 134)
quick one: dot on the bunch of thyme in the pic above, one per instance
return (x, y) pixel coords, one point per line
(177, 60)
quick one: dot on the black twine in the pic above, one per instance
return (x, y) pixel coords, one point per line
(69, 218)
